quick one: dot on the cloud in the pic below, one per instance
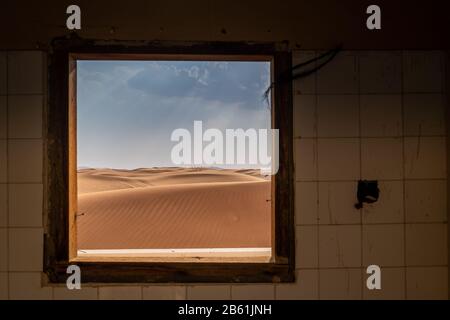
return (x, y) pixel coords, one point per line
(232, 82)
(127, 110)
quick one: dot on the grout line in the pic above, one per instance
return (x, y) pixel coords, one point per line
(20, 94)
(374, 224)
(446, 90)
(316, 132)
(274, 286)
(445, 59)
(26, 183)
(379, 180)
(24, 94)
(361, 210)
(44, 102)
(28, 271)
(25, 227)
(403, 173)
(362, 137)
(8, 284)
(26, 139)
(395, 93)
(381, 266)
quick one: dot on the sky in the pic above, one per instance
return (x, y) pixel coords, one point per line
(127, 110)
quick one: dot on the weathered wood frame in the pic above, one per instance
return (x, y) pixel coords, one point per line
(61, 191)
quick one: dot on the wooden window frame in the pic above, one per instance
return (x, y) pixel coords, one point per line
(60, 191)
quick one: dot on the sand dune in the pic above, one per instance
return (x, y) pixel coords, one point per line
(95, 180)
(167, 208)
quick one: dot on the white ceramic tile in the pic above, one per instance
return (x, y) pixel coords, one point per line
(253, 292)
(426, 244)
(3, 161)
(337, 116)
(306, 287)
(25, 205)
(25, 158)
(423, 71)
(305, 159)
(3, 249)
(427, 283)
(424, 114)
(380, 72)
(338, 159)
(340, 75)
(383, 245)
(25, 72)
(306, 247)
(425, 158)
(389, 207)
(382, 158)
(306, 203)
(305, 124)
(164, 293)
(25, 116)
(3, 206)
(3, 286)
(337, 203)
(305, 85)
(85, 293)
(426, 200)
(340, 284)
(120, 293)
(339, 246)
(381, 115)
(209, 292)
(392, 285)
(302, 56)
(3, 73)
(26, 249)
(28, 286)
(3, 117)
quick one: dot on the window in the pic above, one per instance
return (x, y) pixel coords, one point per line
(149, 186)
(126, 214)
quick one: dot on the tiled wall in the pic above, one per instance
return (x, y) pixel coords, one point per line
(369, 115)
(381, 116)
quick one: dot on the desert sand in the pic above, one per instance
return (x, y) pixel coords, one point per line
(173, 208)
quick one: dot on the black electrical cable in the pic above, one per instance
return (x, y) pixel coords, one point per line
(330, 54)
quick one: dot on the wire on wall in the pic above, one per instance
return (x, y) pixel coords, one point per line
(306, 68)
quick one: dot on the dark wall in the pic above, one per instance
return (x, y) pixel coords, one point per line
(308, 24)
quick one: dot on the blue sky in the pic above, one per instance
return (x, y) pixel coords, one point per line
(127, 110)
